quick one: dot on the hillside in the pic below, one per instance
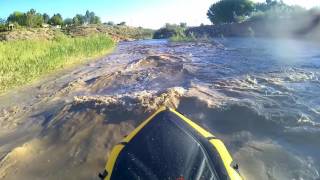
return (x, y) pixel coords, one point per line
(29, 34)
(118, 33)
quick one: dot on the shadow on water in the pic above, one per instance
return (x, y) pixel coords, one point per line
(259, 144)
(230, 119)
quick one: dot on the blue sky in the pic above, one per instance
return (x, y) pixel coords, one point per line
(146, 13)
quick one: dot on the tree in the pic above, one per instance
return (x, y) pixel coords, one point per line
(33, 19)
(2, 21)
(269, 4)
(2, 25)
(229, 11)
(110, 23)
(68, 21)
(261, 7)
(273, 2)
(30, 19)
(17, 17)
(56, 19)
(87, 17)
(169, 30)
(183, 24)
(92, 19)
(96, 20)
(122, 23)
(46, 18)
(78, 19)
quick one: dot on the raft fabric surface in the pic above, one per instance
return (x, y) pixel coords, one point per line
(170, 146)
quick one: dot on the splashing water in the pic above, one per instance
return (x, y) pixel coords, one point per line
(260, 96)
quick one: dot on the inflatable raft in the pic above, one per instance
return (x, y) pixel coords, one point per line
(169, 146)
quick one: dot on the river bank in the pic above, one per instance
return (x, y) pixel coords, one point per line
(24, 61)
(28, 54)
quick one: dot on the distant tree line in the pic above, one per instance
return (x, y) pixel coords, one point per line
(34, 19)
(230, 11)
(88, 18)
(234, 11)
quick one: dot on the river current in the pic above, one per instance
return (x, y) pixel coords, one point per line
(260, 96)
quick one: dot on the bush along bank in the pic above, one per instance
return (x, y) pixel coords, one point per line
(180, 33)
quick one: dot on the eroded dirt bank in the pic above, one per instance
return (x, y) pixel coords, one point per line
(65, 126)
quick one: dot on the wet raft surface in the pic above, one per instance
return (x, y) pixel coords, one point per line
(260, 96)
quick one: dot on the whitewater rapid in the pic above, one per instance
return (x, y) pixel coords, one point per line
(260, 96)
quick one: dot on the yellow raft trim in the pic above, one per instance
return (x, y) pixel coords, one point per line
(218, 144)
(117, 149)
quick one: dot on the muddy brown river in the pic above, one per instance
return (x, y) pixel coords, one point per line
(260, 96)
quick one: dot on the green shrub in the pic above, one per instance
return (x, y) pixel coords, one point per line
(3, 28)
(182, 37)
(170, 30)
(29, 19)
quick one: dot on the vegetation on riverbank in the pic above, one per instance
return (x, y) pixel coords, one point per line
(183, 38)
(27, 60)
(272, 18)
(33, 19)
(34, 44)
(226, 11)
(33, 25)
(245, 18)
(174, 32)
(179, 33)
(117, 32)
(169, 30)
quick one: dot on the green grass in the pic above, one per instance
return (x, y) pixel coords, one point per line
(26, 60)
